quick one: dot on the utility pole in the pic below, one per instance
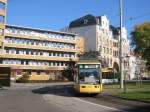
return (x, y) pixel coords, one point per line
(120, 50)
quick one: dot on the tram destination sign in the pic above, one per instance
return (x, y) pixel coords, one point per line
(88, 66)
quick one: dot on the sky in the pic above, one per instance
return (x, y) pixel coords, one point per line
(56, 14)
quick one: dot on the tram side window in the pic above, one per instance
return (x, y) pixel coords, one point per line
(107, 75)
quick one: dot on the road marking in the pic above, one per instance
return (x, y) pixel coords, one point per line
(99, 105)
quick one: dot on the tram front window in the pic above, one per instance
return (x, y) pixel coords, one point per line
(89, 76)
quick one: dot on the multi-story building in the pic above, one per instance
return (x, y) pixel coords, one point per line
(37, 51)
(3, 4)
(36, 54)
(101, 36)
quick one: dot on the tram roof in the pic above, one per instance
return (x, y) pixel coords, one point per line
(88, 62)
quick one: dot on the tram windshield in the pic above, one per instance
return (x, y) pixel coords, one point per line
(89, 74)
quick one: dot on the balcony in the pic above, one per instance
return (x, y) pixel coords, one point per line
(3, 1)
(39, 38)
(34, 57)
(32, 67)
(39, 48)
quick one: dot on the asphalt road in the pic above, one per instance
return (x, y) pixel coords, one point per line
(22, 99)
(59, 97)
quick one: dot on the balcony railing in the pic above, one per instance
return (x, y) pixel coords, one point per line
(36, 57)
(34, 67)
(29, 36)
(39, 48)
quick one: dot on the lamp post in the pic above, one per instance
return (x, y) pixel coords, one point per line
(100, 60)
(120, 50)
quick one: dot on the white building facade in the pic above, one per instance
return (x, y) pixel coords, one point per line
(132, 66)
(102, 37)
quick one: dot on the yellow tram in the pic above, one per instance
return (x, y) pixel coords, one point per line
(88, 77)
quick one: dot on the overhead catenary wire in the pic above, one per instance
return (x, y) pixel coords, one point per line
(137, 17)
(131, 18)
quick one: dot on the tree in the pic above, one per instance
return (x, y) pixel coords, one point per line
(141, 41)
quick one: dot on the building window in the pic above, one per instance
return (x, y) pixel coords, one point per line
(107, 51)
(85, 21)
(38, 73)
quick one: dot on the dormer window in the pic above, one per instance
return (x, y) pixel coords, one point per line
(85, 21)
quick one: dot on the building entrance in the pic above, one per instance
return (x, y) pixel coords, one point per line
(5, 76)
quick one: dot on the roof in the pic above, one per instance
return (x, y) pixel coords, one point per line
(84, 21)
(88, 20)
(88, 62)
(39, 30)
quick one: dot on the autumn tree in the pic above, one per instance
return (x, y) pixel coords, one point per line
(141, 41)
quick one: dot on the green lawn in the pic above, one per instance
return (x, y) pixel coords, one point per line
(141, 96)
(133, 91)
